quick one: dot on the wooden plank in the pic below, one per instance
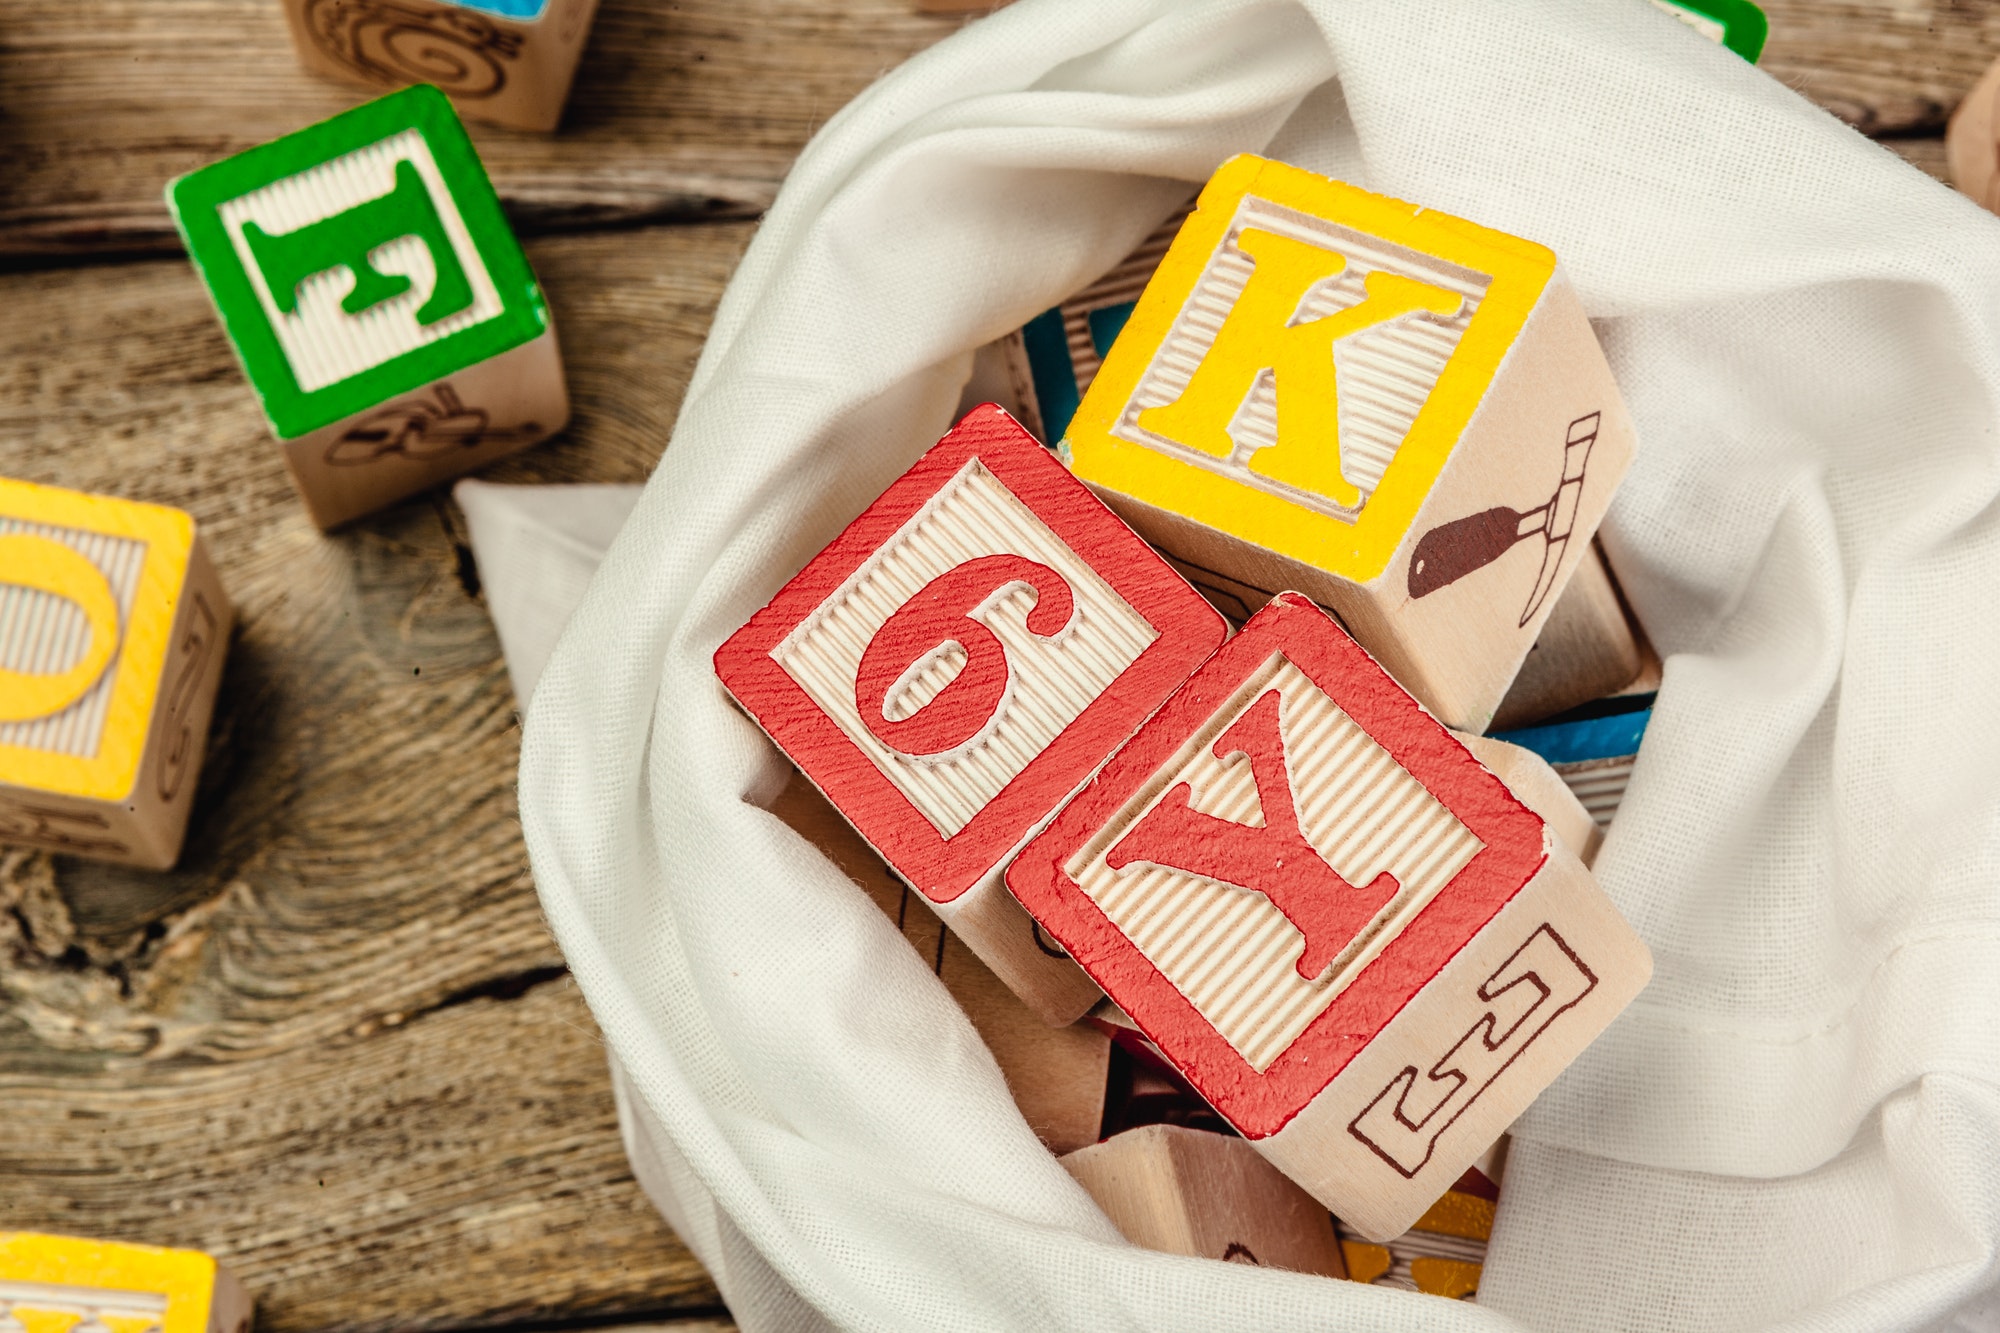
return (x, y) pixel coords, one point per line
(1926, 155)
(1883, 66)
(692, 110)
(689, 110)
(336, 1047)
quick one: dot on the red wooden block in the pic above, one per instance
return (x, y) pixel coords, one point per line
(954, 665)
(1348, 935)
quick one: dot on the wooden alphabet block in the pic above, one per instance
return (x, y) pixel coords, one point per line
(1057, 1074)
(113, 628)
(509, 62)
(958, 662)
(378, 300)
(60, 1284)
(1346, 933)
(1736, 24)
(1400, 414)
(1588, 648)
(1208, 1196)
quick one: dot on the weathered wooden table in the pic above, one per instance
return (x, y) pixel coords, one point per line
(337, 1046)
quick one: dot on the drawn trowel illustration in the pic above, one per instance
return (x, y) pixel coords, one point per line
(1450, 551)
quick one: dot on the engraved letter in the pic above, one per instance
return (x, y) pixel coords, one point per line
(1275, 860)
(941, 613)
(349, 240)
(1259, 335)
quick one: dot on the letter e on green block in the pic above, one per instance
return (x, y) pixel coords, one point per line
(358, 259)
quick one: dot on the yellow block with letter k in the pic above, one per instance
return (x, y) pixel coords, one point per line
(1303, 362)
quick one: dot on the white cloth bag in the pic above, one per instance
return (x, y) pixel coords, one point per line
(1798, 1125)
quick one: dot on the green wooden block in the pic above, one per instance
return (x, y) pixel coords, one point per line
(1736, 24)
(357, 262)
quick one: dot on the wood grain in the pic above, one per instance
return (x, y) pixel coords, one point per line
(1883, 66)
(337, 1046)
(690, 110)
(685, 111)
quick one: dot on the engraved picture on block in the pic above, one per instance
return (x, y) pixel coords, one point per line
(113, 628)
(1401, 414)
(382, 309)
(961, 659)
(1311, 897)
(509, 62)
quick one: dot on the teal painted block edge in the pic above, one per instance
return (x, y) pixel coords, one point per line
(1580, 741)
(525, 10)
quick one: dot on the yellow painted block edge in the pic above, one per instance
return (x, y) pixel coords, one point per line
(1360, 551)
(1464, 1215)
(168, 535)
(185, 1277)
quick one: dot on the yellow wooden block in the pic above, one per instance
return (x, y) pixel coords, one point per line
(112, 630)
(61, 1284)
(1399, 413)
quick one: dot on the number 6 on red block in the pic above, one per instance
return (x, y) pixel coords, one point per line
(958, 662)
(1348, 934)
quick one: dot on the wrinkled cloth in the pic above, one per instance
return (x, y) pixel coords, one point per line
(1797, 1126)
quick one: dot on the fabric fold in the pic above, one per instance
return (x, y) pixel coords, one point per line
(1804, 328)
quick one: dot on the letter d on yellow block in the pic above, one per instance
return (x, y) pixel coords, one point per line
(38, 563)
(113, 627)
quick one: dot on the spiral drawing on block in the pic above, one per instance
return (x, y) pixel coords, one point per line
(463, 53)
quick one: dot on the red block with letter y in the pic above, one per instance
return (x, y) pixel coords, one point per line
(1347, 933)
(958, 662)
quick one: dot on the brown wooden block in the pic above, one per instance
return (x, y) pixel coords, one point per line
(1057, 1074)
(1402, 415)
(1209, 1196)
(63, 1284)
(113, 628)
(509, 62)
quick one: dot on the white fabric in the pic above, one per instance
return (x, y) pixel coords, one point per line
(1798, 1125)
(536, 548)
